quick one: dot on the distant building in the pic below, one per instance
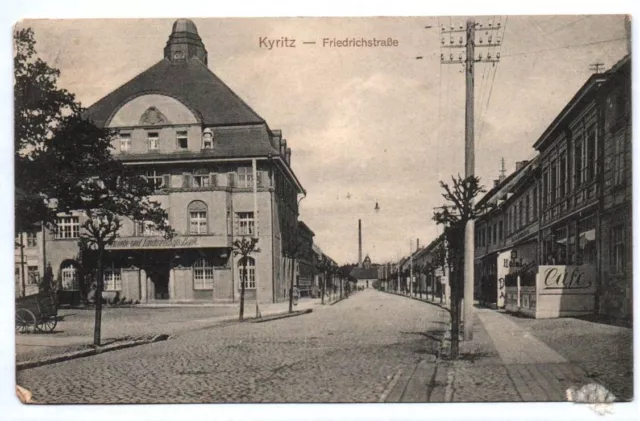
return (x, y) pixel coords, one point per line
(366, 275)
(306, 260)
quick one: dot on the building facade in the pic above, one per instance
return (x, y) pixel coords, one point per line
(215, 166)
(305, 261)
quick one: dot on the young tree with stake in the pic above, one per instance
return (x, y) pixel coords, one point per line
(243, 247)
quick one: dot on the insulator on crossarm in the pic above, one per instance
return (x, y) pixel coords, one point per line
(480, 40)
(460, 40)
(498, 41)
(452, 28)
(442, 28)
(480, 57)
(460, 56)
(489, 25)
(451, 40)
(442, 41)
(498, 56)
(441, 57)
(460, 26)
(451, 56)
(489, 39)
(489, 56)
(498, 24)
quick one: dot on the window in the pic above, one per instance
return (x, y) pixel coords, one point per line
(545, 188)
(246, 223)
(535, 203)
(32, 239)
(578, 160)
(125, 142)
(590, 154)
(500, 230)
(562, 176)
(618, 160)
(182, 140)
(148, 229)
(245, 177)
(112, 278)
(586, 245)
(618, 257)
(200, 180)
(495, 233)
(33, 275)
(553, 182)
(203, 274)
(155, 180)
(197, 211)
(248, 275)
(68, 227)
(526, 210)
(69, 276)
(153, 141)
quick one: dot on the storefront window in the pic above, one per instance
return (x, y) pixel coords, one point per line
(248, 273)
(112, 279)
(586, 244)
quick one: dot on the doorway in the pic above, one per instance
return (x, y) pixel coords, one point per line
(159, 279)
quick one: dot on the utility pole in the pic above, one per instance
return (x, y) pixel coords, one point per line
(469, 167)
(596, 67)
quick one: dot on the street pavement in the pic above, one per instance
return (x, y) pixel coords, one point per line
(75, 330)
(512, 359)
(348, 352)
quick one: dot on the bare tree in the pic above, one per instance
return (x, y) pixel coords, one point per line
(454, 218)
(244, 247)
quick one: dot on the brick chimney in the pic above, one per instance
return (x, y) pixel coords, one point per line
(520, 164)
(359, 243)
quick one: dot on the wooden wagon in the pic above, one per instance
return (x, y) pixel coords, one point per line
(37, 312)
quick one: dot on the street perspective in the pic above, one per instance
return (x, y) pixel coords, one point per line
(330, 210)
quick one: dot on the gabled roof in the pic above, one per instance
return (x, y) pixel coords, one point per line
(190, 82)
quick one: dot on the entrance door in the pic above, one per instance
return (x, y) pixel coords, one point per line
(160, 280)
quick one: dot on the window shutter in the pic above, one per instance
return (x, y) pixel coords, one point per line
(166, 179)
(259, 178)
(186, 180)
(232, 179)
(213, 179)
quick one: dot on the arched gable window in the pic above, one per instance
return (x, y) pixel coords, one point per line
(250, 273)
(197, 211)
(69, 276)
(203, 274)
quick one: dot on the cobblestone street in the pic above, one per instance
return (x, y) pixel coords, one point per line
(348, 352)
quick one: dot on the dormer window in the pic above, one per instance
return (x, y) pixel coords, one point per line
(182, 140)
(125, 142)
(153, 141)
(207, 139)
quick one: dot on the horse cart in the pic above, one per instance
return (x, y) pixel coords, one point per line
(37, 312)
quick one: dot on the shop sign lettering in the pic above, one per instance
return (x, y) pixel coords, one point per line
(134, 243)
(566, 277)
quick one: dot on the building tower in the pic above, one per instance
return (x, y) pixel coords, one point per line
(359, 243)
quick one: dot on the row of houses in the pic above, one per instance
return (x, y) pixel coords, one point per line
(219, 171)
(555, 239)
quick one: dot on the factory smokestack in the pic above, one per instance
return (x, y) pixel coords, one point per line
(359, 243)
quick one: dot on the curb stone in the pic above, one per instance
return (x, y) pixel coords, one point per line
(88, 352)
(280, 316)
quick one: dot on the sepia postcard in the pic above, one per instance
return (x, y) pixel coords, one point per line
(428, 209)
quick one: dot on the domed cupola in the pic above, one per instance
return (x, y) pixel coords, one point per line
(185, 43)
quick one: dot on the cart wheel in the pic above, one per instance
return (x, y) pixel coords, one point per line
(24, 319)
(47, 324)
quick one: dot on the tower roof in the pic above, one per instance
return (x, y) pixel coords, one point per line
(184, 25)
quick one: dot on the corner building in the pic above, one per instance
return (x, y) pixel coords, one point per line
(216, 167)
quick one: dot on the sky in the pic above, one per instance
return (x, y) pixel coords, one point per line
(366, 125)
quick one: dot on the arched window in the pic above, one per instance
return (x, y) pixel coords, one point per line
(69, 276)
(197, 211)
(250, 273)
(203, 274)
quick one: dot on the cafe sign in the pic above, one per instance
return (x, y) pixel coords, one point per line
(564, 279)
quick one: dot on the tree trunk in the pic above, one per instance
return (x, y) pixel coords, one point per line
(324, 285)
(242, 286)
(293, 264)
(98, 297)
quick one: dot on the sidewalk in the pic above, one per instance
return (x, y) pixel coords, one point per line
(151, 322)
(505, 362)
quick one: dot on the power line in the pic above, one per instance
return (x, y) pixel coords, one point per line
(564, 47)
(492, 83)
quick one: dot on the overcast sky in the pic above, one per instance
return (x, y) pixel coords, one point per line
(364, 124)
